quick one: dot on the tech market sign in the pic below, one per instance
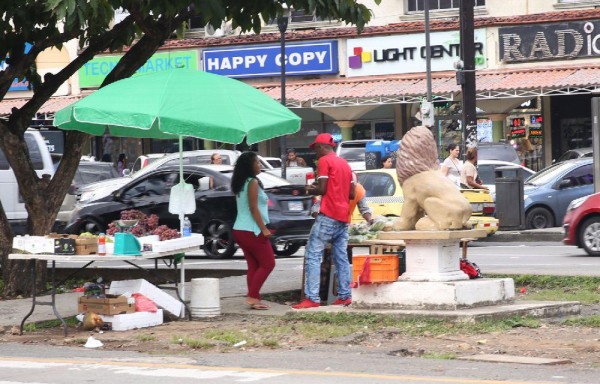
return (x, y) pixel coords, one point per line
(265, 60)
(556, 41)
(406, 53)
(17, 85)
(93, 72)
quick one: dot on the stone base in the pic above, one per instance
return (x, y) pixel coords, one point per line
(434, 295)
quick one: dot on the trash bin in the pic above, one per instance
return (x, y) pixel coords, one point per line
(510, 210)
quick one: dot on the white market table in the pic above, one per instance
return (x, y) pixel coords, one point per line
(90, 259)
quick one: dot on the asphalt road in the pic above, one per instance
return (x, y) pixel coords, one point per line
(551, 258)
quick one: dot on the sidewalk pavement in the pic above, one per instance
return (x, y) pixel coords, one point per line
(284, 278)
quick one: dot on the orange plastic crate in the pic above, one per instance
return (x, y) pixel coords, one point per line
(383, 268)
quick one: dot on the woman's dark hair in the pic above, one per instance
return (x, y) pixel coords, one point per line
(244, 169)
(121, 157)
(384, 159)
(451, 147)
(471, 153)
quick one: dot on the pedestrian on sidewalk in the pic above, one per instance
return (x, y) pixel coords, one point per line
(250, 229)
(336, 187)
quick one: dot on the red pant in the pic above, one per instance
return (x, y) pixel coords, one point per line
(260, 258)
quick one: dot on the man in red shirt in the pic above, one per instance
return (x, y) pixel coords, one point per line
(336, 187)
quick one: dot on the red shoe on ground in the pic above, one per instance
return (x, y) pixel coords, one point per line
(343, 302)
(306, 303)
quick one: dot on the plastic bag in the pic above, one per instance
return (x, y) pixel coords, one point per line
(144, 304)
(470, 268)
(182, 199)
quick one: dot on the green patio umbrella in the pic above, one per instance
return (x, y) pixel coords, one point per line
(180, 103)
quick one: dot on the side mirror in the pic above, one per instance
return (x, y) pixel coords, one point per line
(565, 183)
(126, 172)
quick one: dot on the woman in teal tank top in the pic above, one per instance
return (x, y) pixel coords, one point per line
(250, 229)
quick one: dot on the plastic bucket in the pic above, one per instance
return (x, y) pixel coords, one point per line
(205, 298)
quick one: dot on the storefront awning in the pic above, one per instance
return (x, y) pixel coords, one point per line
(50, 107)
(392, 89)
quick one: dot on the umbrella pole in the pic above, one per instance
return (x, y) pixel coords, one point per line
(181, 218)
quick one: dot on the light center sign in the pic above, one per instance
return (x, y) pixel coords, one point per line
(407, 53)
(261, 61)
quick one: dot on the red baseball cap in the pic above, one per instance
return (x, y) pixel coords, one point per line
(323, 138)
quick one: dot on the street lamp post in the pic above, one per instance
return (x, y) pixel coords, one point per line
(282, 24)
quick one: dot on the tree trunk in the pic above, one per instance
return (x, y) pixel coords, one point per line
(45, 197)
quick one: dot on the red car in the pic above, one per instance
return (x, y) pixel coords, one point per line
(582, 224)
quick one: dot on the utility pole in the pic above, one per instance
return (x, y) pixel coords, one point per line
(282, 25)
(467, 55)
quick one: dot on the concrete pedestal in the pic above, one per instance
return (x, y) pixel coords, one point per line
(433, 279)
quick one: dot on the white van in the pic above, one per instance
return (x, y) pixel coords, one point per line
(11, 199)
(353, 151)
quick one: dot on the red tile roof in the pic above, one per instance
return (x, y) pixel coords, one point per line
(443, 83)
(396, 28)
(52, 105)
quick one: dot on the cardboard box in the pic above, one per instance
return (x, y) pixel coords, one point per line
(63, 244)
(105, 306)
(134, 320)
(34, 244)
(86, 246)
(151, 291)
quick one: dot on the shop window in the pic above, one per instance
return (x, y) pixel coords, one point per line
(419, 5)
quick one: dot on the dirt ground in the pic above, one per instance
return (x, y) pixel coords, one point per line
(579, 344)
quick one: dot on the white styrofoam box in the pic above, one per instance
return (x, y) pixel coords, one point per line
(135, 320)
(195, 240)
(151, 291)
(34, 244)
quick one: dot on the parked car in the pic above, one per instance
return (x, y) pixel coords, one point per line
(297, 175)
(87, 172)
(144, 160)
(385, 197)
(353, 151)
(576, 153)
(582, 224)
(497, 151)
(486, 170)
(289, 207)
(549, 192)
(12, 202)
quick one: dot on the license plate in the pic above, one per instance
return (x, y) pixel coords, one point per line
(295, 206)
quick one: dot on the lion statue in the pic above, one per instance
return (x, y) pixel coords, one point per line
(431, 201)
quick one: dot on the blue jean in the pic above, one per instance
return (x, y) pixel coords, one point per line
(327, 230)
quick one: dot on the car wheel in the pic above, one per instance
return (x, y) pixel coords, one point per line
(92, 226)
(287, 249)
(218, 240)
(538, 218)
(589, 236)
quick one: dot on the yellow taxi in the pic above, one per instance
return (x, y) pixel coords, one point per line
(385, 197)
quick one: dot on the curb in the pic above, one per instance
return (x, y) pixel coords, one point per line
(533, 235)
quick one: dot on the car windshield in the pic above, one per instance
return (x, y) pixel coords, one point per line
(353, 153)
(377, 183)
(546, 175)
(268, 180)
(93, 172)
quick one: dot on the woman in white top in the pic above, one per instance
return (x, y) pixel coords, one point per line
(452, 166)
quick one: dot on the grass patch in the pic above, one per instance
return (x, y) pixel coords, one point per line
(146, 337)
(32, 327)
(588, 321)
(585, 289)
(439, 356)
(331, 325)
(193, 342)
(228, 336)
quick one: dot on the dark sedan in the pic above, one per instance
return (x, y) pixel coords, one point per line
(289, 208)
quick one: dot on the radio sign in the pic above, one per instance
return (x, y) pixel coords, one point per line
(517, 122)
(516, 133)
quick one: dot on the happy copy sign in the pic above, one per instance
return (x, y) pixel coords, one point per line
(262, 61)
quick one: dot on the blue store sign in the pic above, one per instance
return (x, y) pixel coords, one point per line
(260, 61)
(17, 85)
